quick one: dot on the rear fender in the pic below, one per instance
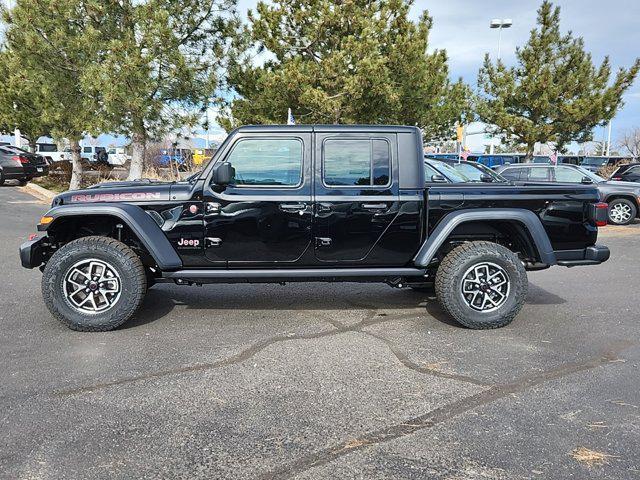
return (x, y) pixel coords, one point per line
(140, 223)
(447, 225)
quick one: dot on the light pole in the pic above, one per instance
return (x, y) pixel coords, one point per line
(500, 23)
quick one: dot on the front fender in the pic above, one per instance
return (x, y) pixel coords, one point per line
(448, 224)
(141, 224)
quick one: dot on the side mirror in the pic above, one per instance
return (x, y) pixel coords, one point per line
(486, 178)
(586, 181)
(438, 178)
(223, 174)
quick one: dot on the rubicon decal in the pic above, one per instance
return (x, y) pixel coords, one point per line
(185, 242)
(117, 197)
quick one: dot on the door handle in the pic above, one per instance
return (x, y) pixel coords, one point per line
(293, 207)
(374, 206)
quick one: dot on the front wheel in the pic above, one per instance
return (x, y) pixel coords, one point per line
(482, 285)
(621, 211)
(94, 284)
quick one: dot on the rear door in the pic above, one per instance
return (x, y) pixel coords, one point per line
(263, 218)
(356, 195)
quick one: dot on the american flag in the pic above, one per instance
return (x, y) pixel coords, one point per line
(554, 158)
(464, 154)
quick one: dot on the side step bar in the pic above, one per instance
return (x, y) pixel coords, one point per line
(291, 274)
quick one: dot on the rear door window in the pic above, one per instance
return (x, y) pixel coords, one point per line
(539, 174)
(568, 175)
(356, 162)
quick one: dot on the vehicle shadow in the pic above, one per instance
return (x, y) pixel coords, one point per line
(162, 300)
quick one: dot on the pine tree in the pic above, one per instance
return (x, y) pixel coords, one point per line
(56, 41)
(21, 101)
(159, 70)
(358, 61)
(555, 93)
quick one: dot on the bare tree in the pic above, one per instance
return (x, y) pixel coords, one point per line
(630, 141)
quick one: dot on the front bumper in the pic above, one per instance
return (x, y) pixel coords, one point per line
(32, 253)
(592, 255)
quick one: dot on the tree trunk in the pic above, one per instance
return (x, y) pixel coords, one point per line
(139, 150)
(529, 155)
(76, 165)
(32, 146)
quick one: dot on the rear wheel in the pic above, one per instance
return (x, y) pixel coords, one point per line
(622, 211)
(482, 285)
(94, 284)
(1, 177)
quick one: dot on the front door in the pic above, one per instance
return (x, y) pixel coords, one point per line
(263, 218)
(356, 199)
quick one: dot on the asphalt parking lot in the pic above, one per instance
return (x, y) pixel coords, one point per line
(314, 381)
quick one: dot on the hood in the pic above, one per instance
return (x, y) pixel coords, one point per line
(615, 185)
(137, 191)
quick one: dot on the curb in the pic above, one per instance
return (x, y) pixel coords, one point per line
(39, 192)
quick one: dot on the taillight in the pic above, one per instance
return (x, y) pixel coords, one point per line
(601, 214)
(20, 159)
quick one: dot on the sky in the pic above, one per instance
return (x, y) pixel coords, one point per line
(461, 27)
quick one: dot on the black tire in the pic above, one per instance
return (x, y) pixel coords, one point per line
(116, 255)
(1, 177)
(23, 181)
(622, 211)
(459, 265)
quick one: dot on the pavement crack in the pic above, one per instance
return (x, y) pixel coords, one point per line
(444, 413)
(244, 355)
(407, 362)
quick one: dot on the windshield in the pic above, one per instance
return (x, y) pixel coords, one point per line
(475, 172)
(449, 172)
(594, 161)
(593, 176)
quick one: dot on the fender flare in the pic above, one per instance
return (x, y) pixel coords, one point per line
(527, 218)
(140, 223)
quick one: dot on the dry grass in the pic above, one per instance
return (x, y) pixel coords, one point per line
(590, 458)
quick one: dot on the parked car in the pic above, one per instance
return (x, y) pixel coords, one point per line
(51, 153)
(474, 171)
(117, 156)
(595, 163)
(436, 171)
(202, 155)
(18, 164)
(623, 197)
(311, 203)
(627, 173)
(90, 153)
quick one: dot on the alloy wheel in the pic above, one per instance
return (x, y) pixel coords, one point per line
(92, 286)
(620, 213)
(485, 287)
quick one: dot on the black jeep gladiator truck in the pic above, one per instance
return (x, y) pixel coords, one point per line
(311, 203)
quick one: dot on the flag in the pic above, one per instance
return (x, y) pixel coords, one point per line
(464, 154)
(554, 158)
(290, 119)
